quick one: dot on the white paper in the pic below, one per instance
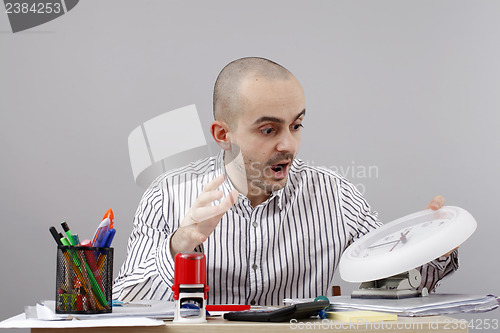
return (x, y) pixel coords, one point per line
(20, 321)
(434, 304)
(151, 315)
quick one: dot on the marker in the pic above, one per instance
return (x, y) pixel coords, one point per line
(72, 261)
(55, 234)
(85, 275)
(91, 259)
(109, 214)
(92, 262)
(92, 282)
(68, 233)
(66, 242)
(109, 237)
(102, 255)
(100, 233)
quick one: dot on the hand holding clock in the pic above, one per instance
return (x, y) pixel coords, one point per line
(436, 203)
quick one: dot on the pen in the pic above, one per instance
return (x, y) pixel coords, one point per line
(100, 233)
(227, 307)
(91, 280)
(109, 214)
(122, 303)
(66, 242)
(92, 262)
(88, 280)
(62, 241)
(106, 242)
(56, 235)
(110, 235)
(68, 233)
(57, 238)
(102, 254)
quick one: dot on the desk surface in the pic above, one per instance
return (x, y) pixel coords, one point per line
(431, 324)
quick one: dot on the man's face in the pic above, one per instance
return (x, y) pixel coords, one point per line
(268, 132)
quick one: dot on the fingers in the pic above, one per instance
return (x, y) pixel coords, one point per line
(210, 192)
(202, 218)
(436, 203)
(200, 214)
(449, 253)
(214, 184)
(229, 200)
(207, 198)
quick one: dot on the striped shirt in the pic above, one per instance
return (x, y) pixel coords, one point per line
(286, 247)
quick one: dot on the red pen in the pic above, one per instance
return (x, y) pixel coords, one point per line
(92, 262)
(227, 307)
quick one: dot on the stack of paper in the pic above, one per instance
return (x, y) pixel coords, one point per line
(142, 313)
(145, 308)
(434, 304)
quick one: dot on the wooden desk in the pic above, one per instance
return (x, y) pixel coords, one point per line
(432, 324)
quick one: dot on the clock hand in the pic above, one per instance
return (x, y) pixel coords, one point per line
(378, 245)
(402, 239)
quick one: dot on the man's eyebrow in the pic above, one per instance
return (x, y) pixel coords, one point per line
(277, 120)
(302, 113)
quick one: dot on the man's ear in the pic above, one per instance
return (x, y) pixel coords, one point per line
(221, 134)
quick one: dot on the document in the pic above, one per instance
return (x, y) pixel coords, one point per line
(142, 313)
(434, 304)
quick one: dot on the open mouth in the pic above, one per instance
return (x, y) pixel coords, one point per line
(279, 170)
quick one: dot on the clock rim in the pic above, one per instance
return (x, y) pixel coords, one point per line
(413, 255)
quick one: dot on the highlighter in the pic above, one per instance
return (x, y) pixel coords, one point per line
(101, 232)
(68, 233)
(109, 214)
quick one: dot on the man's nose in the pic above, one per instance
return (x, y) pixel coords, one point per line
(287, 142)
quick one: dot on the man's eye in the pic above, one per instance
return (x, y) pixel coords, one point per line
(297, 127)
(267, 130)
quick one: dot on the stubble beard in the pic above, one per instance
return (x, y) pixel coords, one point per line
(260, 177)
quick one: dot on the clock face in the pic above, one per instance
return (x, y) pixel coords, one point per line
(406, 243)
(394, 241)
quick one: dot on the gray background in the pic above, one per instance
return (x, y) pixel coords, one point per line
(410, 88)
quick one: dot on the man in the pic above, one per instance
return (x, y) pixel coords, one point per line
(270, 226)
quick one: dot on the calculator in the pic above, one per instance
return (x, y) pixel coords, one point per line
(297, 311)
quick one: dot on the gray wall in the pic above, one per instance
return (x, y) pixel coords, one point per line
(406, 89)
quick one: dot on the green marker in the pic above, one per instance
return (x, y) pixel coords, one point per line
(65, 242)
(68, 233)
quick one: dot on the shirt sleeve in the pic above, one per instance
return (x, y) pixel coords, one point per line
(435, 271)
(148, 269)
(356, 212)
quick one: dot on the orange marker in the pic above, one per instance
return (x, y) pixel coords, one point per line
(109, 214)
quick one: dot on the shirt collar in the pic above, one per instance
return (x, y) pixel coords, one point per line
(279, 195)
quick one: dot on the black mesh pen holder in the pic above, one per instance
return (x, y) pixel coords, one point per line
(84, 280)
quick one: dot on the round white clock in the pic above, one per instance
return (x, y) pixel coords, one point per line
(406, 243)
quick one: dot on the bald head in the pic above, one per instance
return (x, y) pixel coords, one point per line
(227, 90)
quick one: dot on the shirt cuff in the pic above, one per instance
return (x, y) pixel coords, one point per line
(443, 262)
(166, 262)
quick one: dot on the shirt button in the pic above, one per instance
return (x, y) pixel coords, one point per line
(252, 302)
(254, 224)
(254, 267)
